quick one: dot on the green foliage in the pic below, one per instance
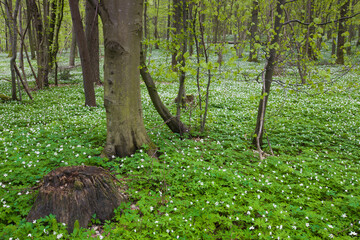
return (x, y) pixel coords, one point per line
(211, 186)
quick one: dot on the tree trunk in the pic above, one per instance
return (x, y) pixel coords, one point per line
(92, 38)
(344, 9)
(12, 16)
(31, 36)
(168, 21)
(87, 69)
(269, 71)
(253, 31)
(146, 28)
(73, 48)
(155, 19)
(172, 122)
(122, 36)
(42, 47)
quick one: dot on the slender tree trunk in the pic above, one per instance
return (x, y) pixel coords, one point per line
(168, 21)
(31, 36)
(73, 49)
(171, 121)
(122, 36)
(92, 37)
(156, 17)
(146, 28)
(182, 28)
(344, 9)
(253, 31)
(269, 72)
(12, 16)
(87, 69)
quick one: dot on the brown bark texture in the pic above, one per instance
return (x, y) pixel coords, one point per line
(77, 193)
(87, 70)
(92, 38)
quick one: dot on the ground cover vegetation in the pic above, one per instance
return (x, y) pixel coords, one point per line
(213, 62)
(211, 186)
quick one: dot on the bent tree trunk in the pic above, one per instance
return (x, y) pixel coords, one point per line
(122, 35)
(269, 72)
(175, 125)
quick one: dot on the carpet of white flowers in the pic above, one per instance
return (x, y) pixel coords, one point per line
(208, 186)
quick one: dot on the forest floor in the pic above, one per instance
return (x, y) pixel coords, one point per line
(211, 186)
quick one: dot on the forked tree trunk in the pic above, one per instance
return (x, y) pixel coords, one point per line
(122, 35)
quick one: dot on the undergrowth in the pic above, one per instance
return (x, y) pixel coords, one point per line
(209, 186)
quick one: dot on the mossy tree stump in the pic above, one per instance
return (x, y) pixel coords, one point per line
(77, 193)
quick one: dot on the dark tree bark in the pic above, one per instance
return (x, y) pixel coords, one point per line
(42, 43)
(146, 28)
(253, 31)
(76, 194)
(73, 48)
(31, 36)
(308, 48)
(268, 75)
(122, 36)
(168, 21)
(92, 38)
(155, 21)
(171, 121)
(180, 102)
(178, 25)
(12, 18)
(344, 9)
(87, 69)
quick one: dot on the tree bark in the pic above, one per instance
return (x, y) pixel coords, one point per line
(12, 16)
(253, 31)
(122, 36)
(344, 9)
(268, 76)
(87, 69)
(155, 19)
(73, 48)
(171, 121)
(92, 38)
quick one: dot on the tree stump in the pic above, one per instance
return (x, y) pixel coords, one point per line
(77, 193)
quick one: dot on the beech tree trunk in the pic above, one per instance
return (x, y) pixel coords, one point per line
(122, 36)
(87, 69)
